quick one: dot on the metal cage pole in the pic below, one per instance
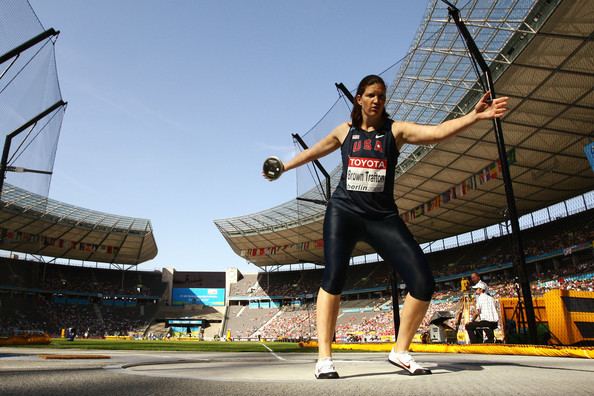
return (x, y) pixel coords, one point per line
(519, 258)
(8, 140)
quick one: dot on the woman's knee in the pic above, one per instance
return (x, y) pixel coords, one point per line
(333, 285)
(423, 289)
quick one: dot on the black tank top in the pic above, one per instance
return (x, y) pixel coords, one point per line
(366, 185)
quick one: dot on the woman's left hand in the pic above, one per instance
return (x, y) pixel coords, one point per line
(495, 109)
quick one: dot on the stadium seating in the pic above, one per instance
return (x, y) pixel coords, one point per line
(56, 277)
(291, 324)
(49, 297)
(243, 322)
(368, 314)
(96, 301)
(39, 312)
(545, 238)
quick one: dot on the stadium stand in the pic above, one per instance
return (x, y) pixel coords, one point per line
(57, 277)
(549, 248)
(244, 322)
(559, 253)
(102, 302)
(291, 324)
(96, 301)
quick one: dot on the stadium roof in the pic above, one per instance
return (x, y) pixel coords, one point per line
(34, 224)
(540, 53)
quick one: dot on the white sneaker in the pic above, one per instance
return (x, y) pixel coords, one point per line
(406, 362)
(325, 369)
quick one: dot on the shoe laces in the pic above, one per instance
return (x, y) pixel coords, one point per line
(406, 358)
(325, 365)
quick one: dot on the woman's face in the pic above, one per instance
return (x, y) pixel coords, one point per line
(373, 100)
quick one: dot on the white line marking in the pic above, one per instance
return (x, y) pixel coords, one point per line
(355, 361)
(273, 354)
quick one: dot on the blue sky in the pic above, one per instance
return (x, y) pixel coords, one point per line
(173, 105)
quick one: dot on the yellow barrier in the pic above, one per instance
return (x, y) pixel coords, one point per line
(73, 357)
(119, 337)
(195, 339)
(489, 349)
(36, 339)
(564, 320)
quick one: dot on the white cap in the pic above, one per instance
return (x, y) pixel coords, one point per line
(480, 285)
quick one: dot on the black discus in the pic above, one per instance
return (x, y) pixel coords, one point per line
(273, 167)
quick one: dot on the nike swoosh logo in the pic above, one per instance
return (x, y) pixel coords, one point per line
(400, 363)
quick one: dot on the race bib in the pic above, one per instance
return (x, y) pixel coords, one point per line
(366, 174)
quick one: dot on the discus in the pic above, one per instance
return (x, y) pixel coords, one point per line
(273, 167)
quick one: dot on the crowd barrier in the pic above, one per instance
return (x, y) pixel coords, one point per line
(26, 339)
(567, 314)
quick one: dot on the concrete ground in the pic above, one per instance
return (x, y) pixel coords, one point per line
(24, 372)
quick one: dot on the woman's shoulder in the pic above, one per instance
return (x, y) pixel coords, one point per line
(394, 124)
(341, 131)
(343, 128)
(396, 128)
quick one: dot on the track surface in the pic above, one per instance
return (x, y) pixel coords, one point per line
(23, 372)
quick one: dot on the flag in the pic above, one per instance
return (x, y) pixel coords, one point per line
(483, 176)
(470, 183)
(511, 156)
(433, 204)
(493, 170)
(452, 192)
(589, 151)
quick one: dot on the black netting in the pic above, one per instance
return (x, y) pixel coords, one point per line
(18, 23)
(28, 87)
(35, 149)
(309, 177)
(429, 82)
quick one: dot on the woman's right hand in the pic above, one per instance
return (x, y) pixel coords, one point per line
(272, 168)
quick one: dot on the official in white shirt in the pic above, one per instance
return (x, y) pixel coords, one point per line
(485, 316)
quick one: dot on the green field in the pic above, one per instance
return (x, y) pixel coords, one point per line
(193, 346)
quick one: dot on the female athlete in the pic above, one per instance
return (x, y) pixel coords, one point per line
(362, 208)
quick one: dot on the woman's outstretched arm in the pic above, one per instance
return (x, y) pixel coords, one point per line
(408, 132)
(324, 147)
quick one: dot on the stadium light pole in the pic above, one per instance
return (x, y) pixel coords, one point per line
(8, 140)
(519, 258)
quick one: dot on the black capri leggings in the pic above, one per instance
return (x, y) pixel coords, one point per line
(388, 236)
